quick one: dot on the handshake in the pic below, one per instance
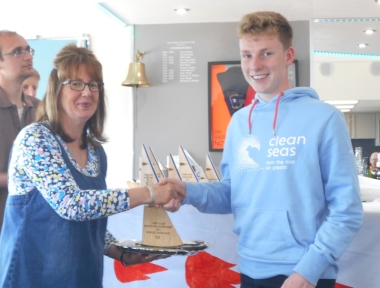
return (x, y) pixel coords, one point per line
(168, 194)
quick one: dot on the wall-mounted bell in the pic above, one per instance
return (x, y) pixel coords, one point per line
(136, 73)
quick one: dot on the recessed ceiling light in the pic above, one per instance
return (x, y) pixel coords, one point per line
(181, 10)
(344, 110)
(369, 31)
(344, 106)
(362, 45)
(343, 102)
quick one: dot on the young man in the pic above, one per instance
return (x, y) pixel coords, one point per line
(295, 209)
(16, 109)
(30, 84)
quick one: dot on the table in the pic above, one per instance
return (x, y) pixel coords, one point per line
(359, 265)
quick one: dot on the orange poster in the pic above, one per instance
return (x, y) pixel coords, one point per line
(228, 92)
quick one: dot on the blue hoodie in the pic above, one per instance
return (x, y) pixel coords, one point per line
(294, 195)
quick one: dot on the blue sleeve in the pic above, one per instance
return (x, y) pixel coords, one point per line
(213, 198)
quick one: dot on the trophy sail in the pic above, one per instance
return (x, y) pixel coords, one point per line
(172, 169)
(158, 229)
(193, 165)
(202, 175)
(211, 173)
(148, 175)
(155, 164)
(163, 168)
(185, 169)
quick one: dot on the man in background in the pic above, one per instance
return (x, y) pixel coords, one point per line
(16, 109)
(30, 84)
(373, 161)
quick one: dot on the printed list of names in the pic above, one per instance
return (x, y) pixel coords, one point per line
(179, 63)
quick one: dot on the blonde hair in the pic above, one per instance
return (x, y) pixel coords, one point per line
(35, 73)
(265, 22)
(67, 64)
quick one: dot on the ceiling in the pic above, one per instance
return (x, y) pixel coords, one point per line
(50, 18)
(41, 15)
(47, 17)
(343, 35)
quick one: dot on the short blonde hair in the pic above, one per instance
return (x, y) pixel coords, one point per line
(35, 73)
(265, 22)
(67, 64)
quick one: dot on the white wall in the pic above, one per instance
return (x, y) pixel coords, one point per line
(350, 79)
(114, 50)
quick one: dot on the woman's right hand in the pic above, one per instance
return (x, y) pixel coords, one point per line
(167, 190)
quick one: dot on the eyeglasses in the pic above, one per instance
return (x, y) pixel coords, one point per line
(20, 52)
(78, 85)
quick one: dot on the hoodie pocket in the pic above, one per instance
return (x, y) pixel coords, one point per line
(267, 236)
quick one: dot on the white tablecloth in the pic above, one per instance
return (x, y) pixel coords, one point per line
(359, 265)
(190, 225)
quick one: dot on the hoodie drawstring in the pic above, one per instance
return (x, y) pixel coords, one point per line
(249, 116)
(275, 114)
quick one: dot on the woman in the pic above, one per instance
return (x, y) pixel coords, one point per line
(54, 232)
(30, 84)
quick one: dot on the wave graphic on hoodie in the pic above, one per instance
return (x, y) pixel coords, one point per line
(248, 148)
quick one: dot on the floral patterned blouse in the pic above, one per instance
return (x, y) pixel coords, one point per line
(37, 162)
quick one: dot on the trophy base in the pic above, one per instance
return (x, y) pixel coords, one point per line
(188, 248)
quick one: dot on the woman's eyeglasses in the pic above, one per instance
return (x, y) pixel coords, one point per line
(78, 85)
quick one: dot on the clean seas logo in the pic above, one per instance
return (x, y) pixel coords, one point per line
(246, 153)
(280, 154)
(285, 146)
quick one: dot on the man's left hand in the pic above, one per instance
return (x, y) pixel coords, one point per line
(296, 281)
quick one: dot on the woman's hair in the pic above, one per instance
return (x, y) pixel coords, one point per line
(268, 23)
(67, 65)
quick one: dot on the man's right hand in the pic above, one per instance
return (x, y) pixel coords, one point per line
(179, 186)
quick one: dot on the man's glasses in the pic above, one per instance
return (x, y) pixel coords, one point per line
(78, 85)
(20, 52)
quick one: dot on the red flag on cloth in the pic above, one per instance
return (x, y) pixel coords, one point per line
(337, 285)
(132, 273)
(205, 270)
